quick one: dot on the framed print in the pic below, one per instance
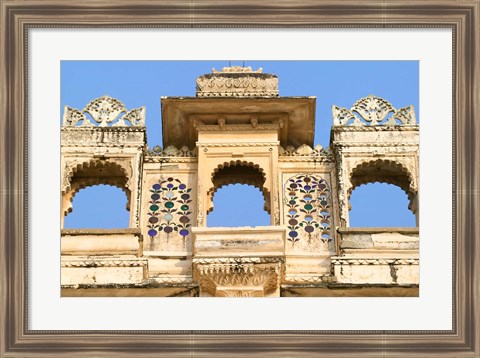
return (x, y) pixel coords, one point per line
(41, 39)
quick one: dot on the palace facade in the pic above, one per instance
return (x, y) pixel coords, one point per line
(237, 129)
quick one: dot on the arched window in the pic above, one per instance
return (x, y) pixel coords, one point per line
(107, 194)
(99, 206)
(238, 205)
(239, 195)
(385, 195)
(380, 205)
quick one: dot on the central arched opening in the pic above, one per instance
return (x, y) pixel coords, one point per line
(238, 197)
(238, 205)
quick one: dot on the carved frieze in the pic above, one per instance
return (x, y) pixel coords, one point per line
(237, 82)
(171, 151)
(103, 137)
(239, 277)
(305, 152)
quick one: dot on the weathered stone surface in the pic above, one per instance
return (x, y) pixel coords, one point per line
(237, 81)
(239, 242)
(103, 270)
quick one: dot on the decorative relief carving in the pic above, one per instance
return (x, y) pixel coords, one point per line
(223, 261)
(318, 153)
(169, 209)
(238, 69)
(104, 111)
(86, 136)
(308, 208)
(308, 279)
(373, 111)
(97, 262)
(171, 151)
(239, 277)
(238, 82)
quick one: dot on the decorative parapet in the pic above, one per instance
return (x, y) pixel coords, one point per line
(237, 81)
(105, 112)
(373, 111)
(171, 151)
(318, 153)
(90, 136)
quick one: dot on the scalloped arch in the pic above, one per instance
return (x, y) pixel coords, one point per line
(256, 178)
(383, 171)
(93, 163)
(75, 185)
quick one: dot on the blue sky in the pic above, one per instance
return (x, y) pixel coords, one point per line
(142, 83)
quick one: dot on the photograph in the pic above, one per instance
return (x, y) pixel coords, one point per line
(239, 178)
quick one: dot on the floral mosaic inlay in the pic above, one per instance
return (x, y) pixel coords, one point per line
(307, 200)
(169, 209)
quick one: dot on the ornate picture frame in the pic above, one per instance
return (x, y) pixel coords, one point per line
(18, 17)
